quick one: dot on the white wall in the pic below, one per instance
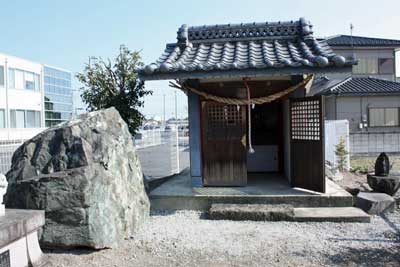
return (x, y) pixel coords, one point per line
(334, 131)
(24, 99)
(18, 134)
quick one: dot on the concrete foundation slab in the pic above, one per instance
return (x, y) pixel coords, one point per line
(178, 194)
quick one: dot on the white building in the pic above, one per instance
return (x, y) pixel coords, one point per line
(21, 98)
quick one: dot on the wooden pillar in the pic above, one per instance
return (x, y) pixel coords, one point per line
(194, 139)
(286, 139)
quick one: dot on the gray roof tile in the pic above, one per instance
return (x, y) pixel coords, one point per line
(353, 86)
(206, 50)
(347, 40)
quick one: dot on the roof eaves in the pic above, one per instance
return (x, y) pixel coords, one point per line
(242, 73)
(370, 94)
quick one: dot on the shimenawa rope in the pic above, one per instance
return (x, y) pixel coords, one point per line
(238, 101)
(249, 101)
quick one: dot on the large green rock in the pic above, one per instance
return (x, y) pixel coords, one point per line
(86, 176)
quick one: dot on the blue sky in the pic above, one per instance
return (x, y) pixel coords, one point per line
(65, 33)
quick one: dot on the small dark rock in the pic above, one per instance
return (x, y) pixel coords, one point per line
(353, 191)
(382, 165)
(384, 184)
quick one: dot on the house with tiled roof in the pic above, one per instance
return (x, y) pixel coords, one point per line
(368, 96)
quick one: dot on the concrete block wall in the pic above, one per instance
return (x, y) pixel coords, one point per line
(374, 142)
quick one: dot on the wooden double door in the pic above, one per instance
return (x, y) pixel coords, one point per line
(224, 146)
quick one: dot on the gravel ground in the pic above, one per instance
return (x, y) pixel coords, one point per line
(187, 239)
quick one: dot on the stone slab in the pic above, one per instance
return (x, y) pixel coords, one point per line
(16, 224)
(332, 214)
(251, 212)
(375, 203)
(254, 212)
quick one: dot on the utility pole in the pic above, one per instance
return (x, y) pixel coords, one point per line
(176, 107)
(164, 111)
(7, 115)
(90, 58)
(351, 36)
(177, 134)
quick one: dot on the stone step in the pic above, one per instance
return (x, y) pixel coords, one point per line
(263, 212)
(332, 214)
(251, 212)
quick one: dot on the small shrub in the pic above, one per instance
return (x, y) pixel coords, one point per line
(341, 154)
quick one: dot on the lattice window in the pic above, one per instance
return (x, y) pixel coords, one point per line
(306, 122)
(224, 122)
(228, 115)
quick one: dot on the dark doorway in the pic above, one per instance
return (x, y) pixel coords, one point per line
(266, 134)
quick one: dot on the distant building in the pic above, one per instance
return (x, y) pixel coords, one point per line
(57, 95)
(376, 56)
(368, 96)
(32, 96)
(21, 98)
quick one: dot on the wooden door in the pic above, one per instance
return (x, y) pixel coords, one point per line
(223, 145)
(307, 143)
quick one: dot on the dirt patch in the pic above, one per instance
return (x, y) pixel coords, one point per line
(365, 164)
(353, 180)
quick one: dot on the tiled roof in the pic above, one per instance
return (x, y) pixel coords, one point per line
(347, 40)
(354, 86)
(245, 49)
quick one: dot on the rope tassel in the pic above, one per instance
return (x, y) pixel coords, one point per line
(251, 149)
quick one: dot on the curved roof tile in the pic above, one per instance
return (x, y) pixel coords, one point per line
(271, 46)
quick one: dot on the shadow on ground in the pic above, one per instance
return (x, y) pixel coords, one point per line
(386, 255)
(72, 251)
(365, 256)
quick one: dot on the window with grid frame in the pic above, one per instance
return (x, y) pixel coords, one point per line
(20, 79)
(381, 117)
(1, 76)
(2, 118)
(25, 118)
